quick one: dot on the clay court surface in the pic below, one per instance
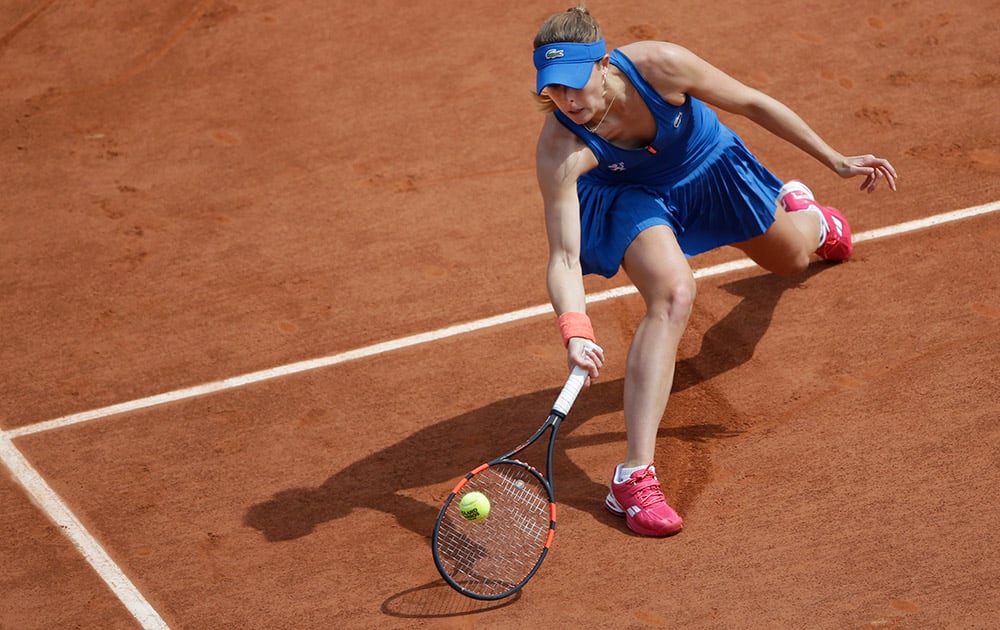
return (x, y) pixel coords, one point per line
(236, 241)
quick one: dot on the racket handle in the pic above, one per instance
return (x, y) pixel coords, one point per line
(577, 377)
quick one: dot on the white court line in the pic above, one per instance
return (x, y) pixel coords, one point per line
(452, 331)
(54, 507)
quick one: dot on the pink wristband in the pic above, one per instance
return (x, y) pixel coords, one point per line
(573, 324)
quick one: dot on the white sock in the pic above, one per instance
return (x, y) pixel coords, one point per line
(822, 224)
(622, 474)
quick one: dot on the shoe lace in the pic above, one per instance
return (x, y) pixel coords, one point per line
(647, 489)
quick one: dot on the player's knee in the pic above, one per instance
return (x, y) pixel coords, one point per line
(794, 265)
(683, 297)
(674, 302)
(790, 261)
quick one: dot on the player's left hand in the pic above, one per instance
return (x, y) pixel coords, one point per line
(873, 168)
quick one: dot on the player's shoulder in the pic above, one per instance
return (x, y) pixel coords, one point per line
(657, 53)
(662, 64)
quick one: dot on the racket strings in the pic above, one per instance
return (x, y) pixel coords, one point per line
(493, 556)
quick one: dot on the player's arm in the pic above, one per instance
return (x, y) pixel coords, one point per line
(560, 159)
(679, 70)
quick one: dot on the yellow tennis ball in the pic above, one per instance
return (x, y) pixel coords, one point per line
(474, 506)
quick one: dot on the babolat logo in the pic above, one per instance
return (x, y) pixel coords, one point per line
(554, 53)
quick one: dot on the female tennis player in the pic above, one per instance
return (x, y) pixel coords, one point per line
(637, 172)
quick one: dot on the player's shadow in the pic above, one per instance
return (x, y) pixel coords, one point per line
(442, 452)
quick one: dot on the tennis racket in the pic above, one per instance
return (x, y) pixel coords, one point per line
(495, 557)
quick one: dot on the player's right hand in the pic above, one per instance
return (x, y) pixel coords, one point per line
(587, 355)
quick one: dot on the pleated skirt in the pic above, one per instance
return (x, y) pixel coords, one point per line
(726, 198)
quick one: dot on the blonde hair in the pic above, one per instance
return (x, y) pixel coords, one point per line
(572, 25)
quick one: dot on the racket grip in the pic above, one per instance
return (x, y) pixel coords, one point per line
(577, 377)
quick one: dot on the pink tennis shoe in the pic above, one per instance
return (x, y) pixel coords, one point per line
(795, 196)
(640, 500)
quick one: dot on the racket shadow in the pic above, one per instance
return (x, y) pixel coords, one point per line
(437, 454)
(442, 452)
(437, 600)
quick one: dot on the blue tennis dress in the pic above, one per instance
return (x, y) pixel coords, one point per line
(696, 177)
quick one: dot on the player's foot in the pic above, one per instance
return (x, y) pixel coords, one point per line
(640, 500)
(795, 196)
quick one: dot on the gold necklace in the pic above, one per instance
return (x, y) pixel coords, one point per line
(598, 125)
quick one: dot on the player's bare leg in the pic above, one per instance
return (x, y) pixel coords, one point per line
(655, 264)
(658, 269)
(787, 245)
(802, 226)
